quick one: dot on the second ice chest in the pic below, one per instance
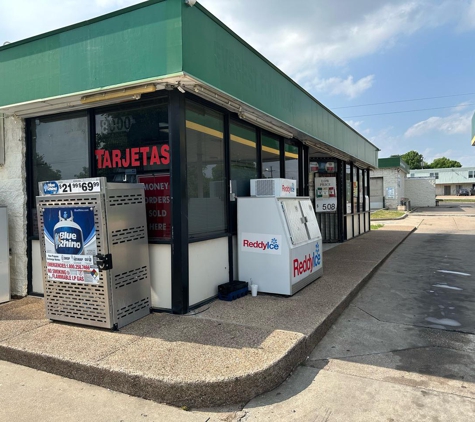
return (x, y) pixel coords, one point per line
(279, 241)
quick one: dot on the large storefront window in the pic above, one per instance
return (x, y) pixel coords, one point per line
(361, 188)
(132, 141)
(349, 189)
(60, 151)
(291, 157)
(243, 155)
(132, 146)
(270, 156)
(207, 190)
(355, 190)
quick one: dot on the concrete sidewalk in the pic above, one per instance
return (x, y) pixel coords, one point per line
(224, 353)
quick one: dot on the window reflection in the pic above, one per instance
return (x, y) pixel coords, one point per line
(60, 150)
(132, 141)
(270, 156)
(291, 157)
(207, 190)
(243, 154)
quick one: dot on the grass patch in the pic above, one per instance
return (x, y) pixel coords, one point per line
(386, 214)
(376, 226)
(467, 199)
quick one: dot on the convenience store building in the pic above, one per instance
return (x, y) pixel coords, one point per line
(166, 94)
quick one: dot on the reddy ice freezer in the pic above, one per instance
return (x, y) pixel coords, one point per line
(279, 243)
(94, 251)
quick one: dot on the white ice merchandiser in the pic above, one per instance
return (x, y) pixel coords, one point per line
(4, 256)
(279, 241)
(94, 251)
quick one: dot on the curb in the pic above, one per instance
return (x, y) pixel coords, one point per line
(204, 393)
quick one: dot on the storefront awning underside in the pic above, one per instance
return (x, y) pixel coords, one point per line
(169, 45)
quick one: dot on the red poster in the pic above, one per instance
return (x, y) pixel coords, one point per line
(157, 198)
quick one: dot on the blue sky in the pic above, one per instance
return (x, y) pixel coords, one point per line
(346, 53)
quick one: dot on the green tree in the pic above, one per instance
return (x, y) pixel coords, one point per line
(44, 170)
(83, 174)
(414, 160)
(444, 163)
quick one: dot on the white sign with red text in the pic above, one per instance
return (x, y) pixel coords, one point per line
(262, 243)
(325, 194)
(305, 261)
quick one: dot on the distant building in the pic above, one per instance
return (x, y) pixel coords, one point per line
(448, 181)
(387, 183)
(391, 187)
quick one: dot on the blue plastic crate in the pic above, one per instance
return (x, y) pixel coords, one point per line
(233, 295)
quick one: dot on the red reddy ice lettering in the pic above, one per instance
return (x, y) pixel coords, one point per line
(133, 157)
(256, 244)
(308, 263)
(271, 245)
(288, 189)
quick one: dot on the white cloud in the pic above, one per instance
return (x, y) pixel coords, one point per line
(450, 125)
(302, 34)
(26, 18)
(347, 87)
(354, 124)
(468, 20)
(462, 106)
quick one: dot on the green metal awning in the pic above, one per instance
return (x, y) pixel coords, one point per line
(170, 45)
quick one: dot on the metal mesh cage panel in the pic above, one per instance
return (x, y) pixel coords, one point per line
(76, 302)
(128, 235)
(126, 199)
(131, 309)
(130, 277)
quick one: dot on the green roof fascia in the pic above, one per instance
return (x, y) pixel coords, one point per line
(393, 162)
(217, 56)
(133, 44)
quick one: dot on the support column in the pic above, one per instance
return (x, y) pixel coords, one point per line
(179, 203)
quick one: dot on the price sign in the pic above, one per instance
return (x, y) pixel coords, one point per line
(72, 186)
(325, 194)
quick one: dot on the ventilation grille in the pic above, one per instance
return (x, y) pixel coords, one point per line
(128, 235)
(126, 311)
(78, 301)
(130, 277)
(130, 199)
(265, 187)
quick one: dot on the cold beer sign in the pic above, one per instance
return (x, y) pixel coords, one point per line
(157, 200)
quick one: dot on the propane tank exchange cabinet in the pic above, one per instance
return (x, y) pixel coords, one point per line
(94, 251)
(279, 241)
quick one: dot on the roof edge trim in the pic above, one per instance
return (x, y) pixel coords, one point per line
(80, 24)
(247, 45)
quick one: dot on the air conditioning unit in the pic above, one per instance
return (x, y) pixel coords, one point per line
(274, 187)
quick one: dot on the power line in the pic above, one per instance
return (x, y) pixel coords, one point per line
(403, 101)
(405, 111)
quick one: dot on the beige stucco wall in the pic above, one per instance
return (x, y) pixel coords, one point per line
(13, 195)
(421, 192)
(392, 178)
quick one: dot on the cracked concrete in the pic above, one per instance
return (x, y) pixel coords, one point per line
(386, 358)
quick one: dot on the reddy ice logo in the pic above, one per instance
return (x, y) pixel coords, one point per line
(288, 189)
(261, 243)
(50, 188)
(306, 266)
